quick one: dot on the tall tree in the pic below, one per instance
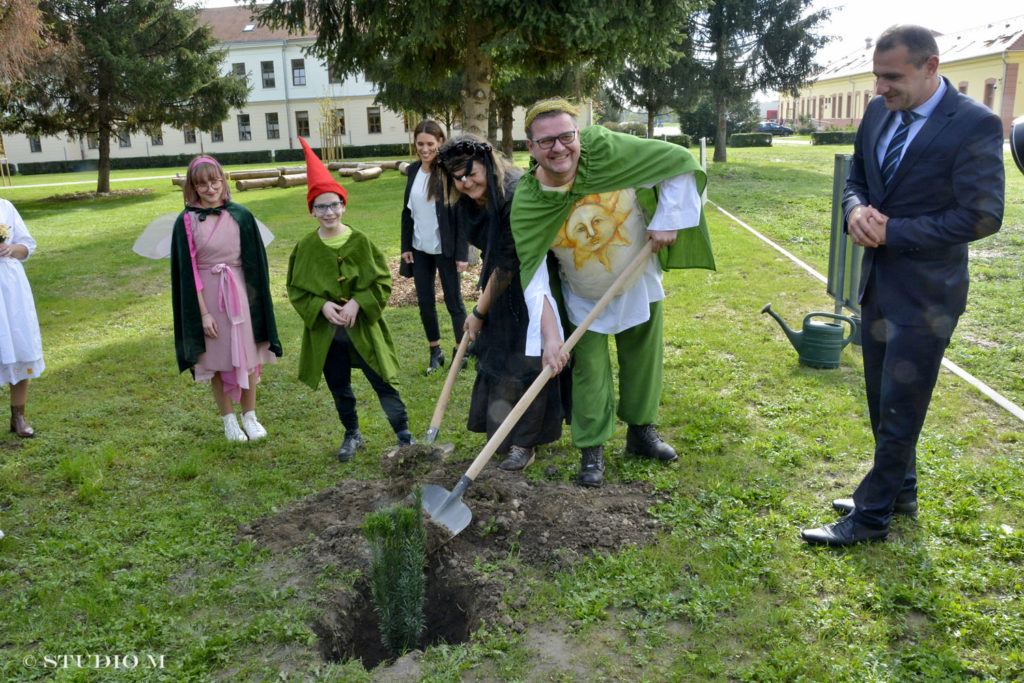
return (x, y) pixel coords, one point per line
(22, 40)
(140, 64)
(428, 39)
(656, 87)
(749, 45)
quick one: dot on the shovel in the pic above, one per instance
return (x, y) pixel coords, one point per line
(446, 391)
(447, 509)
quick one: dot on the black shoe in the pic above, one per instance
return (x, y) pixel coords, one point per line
(465, 358)
(519, 458)
(843, 532)
(591, 467)
(901, 507)
(353, 442)
(405, 438)
(436, 359)
(643, 440)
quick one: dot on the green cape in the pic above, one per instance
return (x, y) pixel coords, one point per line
(189, 340)
(357, 270)
(608, 162)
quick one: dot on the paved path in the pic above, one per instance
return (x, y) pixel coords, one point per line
(86, 182)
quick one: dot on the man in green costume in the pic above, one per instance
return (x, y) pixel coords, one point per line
(593, 198)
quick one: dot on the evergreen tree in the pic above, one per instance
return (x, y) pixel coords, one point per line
(426, 40)
(139, 64)
(398, 556)
(656, 87)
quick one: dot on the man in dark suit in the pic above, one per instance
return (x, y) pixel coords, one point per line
(927, 178)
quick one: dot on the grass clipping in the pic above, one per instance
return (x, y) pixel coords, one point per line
(398, 554)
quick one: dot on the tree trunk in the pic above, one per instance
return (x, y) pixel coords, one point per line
(507, 142)
(492, 124)
(476, 88)
(720, 111)
(103, 169)
(650, 122)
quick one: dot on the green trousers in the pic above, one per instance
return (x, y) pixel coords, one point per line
(640, 355)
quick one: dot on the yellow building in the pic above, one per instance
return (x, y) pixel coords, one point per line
(985, 63)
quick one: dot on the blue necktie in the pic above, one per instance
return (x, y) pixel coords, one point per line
(891, 160)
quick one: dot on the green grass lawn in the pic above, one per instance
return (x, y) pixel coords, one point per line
(121, 532)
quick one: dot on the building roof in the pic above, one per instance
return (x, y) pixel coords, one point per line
(229, 25)
(993, 38)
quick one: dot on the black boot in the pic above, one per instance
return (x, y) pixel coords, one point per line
(436, 359)
(643, 440)
(405, 438)
(352, 443)
(591, 467)
(519, 458)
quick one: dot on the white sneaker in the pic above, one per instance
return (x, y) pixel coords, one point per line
(253, 429)
(231, 429)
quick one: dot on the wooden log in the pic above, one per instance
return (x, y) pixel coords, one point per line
(256, 173)
(403, 168)
(291, 170)
(292, 180)
(178, 180)
(349, 172)
(255, 183)
(367, 174)
(389, 165)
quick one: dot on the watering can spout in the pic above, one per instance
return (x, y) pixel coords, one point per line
(795, 338)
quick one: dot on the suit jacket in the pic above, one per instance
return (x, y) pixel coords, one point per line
(947, 191)
(454, 242)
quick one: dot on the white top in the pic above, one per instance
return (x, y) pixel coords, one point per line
(21, 348)
(426, 235)
(679, 207)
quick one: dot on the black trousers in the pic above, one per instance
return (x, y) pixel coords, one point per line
(901, 366)
(424, 266)
(338, 373)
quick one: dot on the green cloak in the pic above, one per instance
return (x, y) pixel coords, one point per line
(608, 162)
(189, 340)
(317, 274)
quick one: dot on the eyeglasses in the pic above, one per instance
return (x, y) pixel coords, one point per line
(203, 187)
(565, 138)
(321, 209)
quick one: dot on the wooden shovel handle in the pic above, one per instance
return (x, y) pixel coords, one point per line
(510, 421)
(449, 382)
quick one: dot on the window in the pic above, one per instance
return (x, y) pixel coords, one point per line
(124, 140)
(339, 120)
(93, 141)
(238, 69)
(157, 140)
(248, 28)
(217, 133)
(34, 145)
(244, 128)
(332, 77)
(267, 69)
(302, 123)
(298, 72)
(373, 119)
(190, 134)
(962, 87)
(273, 127)
(990, 93)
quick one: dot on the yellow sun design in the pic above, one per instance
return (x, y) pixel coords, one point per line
(593, 226)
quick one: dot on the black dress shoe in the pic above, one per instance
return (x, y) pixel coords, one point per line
(353, 442)
(436, 359)
(901, 507)
(843, 532)
(519, 458)
(591, 467)
(643, 440)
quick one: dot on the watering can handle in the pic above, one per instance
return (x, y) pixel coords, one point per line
(836, 316)
(510, 421)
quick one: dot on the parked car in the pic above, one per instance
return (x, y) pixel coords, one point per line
(774, 128)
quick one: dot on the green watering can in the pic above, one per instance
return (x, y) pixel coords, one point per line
(820, 343)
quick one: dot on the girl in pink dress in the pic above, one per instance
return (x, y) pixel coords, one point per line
(224, 327)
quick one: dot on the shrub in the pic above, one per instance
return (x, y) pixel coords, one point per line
(833, 137)
(750, 140)
(398, 554)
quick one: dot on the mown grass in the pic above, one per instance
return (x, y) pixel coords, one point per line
(122, 531)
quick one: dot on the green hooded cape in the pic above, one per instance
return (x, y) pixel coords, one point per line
(189, 340)
(608, 162)
(317, 274)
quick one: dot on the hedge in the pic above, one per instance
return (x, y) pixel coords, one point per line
(750, 140)
(834, 137)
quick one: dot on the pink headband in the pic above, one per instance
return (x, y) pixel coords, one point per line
(199, 160)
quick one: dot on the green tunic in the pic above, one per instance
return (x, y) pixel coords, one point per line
(189, 340)
(357, 270)
(608, 162)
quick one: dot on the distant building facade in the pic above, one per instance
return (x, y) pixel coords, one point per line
(289, 92)
(985, 63)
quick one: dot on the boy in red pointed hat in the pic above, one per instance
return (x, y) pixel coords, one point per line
(339, 283)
